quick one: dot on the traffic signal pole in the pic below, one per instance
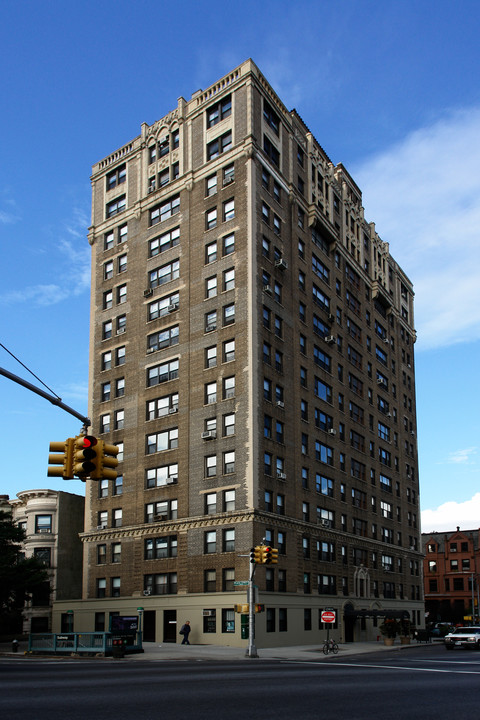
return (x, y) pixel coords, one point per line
(251, 649)
(51, 398)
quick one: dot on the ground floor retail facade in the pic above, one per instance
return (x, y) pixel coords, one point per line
(285, 620)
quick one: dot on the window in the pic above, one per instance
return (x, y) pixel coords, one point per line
(210, 581)
(210, 393)
(116, 206)
(229, 540)
(108, 270)
(43, 524)
(158, 442)
(211, 356)
(229, 462)
(228, 244)
(323, 453)
(101, 587)
(165, 273)
(219, 111)
(228, 314)
(228, 210)
(219, 145)
(210, 218)
(228, 174)
(271, 151)
(162, 547)
(228, 500)
(163, 242)
(160, 584)
(211, 252)
(165, 210)
(163, 339)
(229, 279)
(228, 350)
(210, 466)
(117, 517)
(210, 542)
(228, 386)
(211, 185)
(271, 117)
(159, 407)
(162, 373)
(323, 391)
(164, 306)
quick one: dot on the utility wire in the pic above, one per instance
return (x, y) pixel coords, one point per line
(31, 373)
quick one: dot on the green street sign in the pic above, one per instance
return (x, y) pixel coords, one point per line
(240, 582)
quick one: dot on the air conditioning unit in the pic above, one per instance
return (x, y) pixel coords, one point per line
(209, 435)
(332, 431)
(150, 350)
(210, 328)
(267, 289)
(229, 179)
(387, 568)
(280, 404)
(120, 331)
(381, 382)
(171, 479)
(329, 339)
(159, 518)
(281, 264)
(101, 527)
(173, 410)
(172, 307)
(151, 188)
(147, 592)
(148, 292)
(331, 317)
(281, 475)
(325, 523)
(208, 613)
(412, 433)
(412, 547)
(385, 340)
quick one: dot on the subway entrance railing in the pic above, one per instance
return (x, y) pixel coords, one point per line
(78, 643)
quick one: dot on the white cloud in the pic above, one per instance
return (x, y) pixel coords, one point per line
(76, 253)
(450, 515)
(462, 457)
(424, 196)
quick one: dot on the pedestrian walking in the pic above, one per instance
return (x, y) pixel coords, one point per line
(185, 631)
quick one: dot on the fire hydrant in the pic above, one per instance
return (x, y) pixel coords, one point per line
(15, 645)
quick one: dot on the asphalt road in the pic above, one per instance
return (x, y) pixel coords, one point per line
(427, 683)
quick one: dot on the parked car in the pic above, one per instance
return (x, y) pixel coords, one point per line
(467, 637)
(441, 629)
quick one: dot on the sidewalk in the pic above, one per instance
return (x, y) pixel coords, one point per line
(177, 652)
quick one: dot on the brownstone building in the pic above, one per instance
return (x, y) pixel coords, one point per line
(451, 572)
(252, 354)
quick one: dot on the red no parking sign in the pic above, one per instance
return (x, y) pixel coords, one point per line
(328, 616)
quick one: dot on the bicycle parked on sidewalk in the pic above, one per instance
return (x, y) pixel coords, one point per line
(330, 646)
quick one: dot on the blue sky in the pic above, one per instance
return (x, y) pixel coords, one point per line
(390, 89)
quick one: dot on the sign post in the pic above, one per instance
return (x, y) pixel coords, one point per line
(328, 616)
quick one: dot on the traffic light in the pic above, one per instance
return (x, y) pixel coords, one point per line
(273, 556)
(267, 554)
(259, 608)
(106, 462)
(94, 458)
(64, 458)
(86, 456)
(258, 554)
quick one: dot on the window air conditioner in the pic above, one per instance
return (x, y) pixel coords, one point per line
(281, 475)
(147, 592)
(281, 264)
(148, 292)
(173, 410)
(210, 328)
(267, 289)
(329, 339)
(209, 435)
(172, 307)
(280, 403)
(171, 479)
(332, 431)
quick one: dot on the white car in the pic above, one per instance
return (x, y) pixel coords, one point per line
(467, 637)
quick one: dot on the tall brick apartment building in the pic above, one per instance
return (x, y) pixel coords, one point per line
(252, 354)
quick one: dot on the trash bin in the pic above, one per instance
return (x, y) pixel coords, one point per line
(118, 648)
(15, 645)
